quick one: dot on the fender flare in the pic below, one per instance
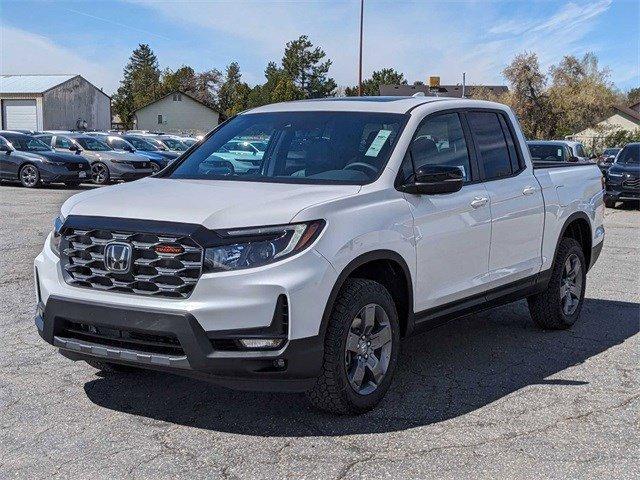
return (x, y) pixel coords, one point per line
(570, 219)
(358, 262)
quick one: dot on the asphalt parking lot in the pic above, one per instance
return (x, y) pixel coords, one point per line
(486, 396)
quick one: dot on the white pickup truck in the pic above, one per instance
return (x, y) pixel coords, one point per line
(368, 219)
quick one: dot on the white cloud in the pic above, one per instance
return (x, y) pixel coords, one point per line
(417, 39)
(27, 53)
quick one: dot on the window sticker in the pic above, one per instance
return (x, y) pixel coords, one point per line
(378, 142)
(559, 152)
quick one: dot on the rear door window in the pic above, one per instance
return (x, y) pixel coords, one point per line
(493, 151)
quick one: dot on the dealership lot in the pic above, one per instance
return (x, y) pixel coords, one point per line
(489, 395)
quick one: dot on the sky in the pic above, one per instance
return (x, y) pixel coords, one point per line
(417, 37)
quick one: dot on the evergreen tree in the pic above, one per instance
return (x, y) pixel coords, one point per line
(371, 86)
(234, 93)
(140, 84)
(304, 66)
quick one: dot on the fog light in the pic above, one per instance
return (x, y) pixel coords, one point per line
(261, 342)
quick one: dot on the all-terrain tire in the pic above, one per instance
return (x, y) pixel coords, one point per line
(546, 308)
(609, 203)
(332, 391)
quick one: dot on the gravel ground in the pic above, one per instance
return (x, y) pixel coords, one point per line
(486, 396)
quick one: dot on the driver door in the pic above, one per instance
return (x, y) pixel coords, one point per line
(453, 230)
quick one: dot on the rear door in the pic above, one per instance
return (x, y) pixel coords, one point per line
(452, 230)
(517, 209)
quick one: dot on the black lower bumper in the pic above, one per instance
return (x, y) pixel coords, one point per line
(622, 195)
(130, 176)
(193, 352)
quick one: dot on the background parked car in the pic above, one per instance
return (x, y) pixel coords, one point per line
(607, 158)
(27, 159)
(165, 142)
(156, 159)
(106, 164)
(550, 151)
(578, 150)
(243, 154)
(623, 177)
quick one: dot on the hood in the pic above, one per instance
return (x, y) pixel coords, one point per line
(111, 154)
(60, 157)
(625, 168)
(149, 155)
(168, 155)
(213, 204)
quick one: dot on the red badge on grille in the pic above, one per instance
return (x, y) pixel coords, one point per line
(172, 249)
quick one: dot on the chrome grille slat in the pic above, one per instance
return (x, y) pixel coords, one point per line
(151, 274)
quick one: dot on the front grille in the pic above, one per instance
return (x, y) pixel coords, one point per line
(74, 166)
(632, 183)
(172, 274)
(163, 343)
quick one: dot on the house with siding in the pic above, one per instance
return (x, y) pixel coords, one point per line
(52, 102)
(177, 112)
(620, 117)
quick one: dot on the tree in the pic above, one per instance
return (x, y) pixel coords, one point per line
(371, 86)
(304, 66)
(183, 79)
(580, 93)
(140, 83)
(233, 95)
(633, 96)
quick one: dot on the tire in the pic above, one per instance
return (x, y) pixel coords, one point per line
(109, 367)
(609, 203)
(100, 173)
(29, 176)
(336, 389)
(550, 309)
(155, 168)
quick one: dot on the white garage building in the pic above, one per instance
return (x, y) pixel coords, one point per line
(52, 102)
(176, 112)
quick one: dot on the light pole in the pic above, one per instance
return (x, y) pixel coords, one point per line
(360, 60)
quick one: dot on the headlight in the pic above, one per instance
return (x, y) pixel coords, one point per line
(52, 162)
(254, 247)
(614, 174)
(54, 241)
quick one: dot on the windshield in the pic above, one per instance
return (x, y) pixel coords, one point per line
(301, 147)
(189, 141)
(611, 151)
(140, 144)
(629, 154)
(27, 144)
(93, 144)
(546, 153)
(174, 144)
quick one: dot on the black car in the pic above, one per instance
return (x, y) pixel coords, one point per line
(29, 160)
(607, 158)
(623, 177)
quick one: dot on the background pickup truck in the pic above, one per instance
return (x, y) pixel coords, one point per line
(366, 220)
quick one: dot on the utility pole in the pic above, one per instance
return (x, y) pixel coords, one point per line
(360, 60)
(464, 83)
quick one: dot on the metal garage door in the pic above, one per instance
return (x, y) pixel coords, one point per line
(19, 114)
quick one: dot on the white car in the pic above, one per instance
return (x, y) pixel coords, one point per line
(369, 219)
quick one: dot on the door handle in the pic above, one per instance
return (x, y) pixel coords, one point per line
(528, 191)
(478, 202)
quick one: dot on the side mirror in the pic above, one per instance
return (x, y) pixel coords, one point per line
(435, 179)
(573, 159)
(129, 149)
(74, 148)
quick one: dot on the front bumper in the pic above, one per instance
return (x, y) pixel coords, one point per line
(229, 304)
(126, 172)
(54, 174)
(292, 368)
(617, 191)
